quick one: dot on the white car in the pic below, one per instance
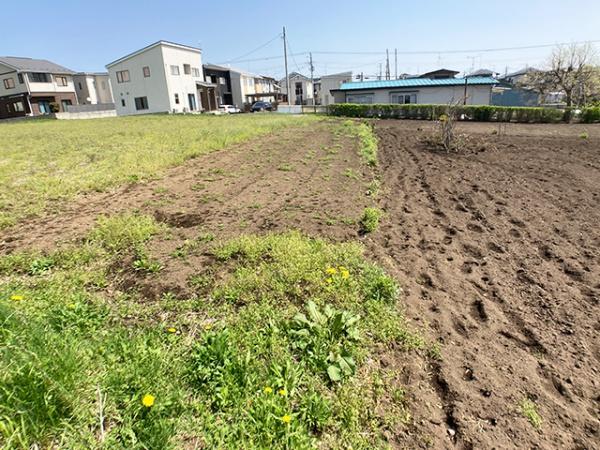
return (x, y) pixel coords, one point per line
(229, 109)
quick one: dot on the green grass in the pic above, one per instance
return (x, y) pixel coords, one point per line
(369, 221)
(366, 137)
(529, 410)
(277, 348)
(42, 162)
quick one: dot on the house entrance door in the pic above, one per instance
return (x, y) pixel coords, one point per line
(192, 101)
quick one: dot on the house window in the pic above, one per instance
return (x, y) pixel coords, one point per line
(123, 102)
(123, 76)
(141, 103)
(187, 69)
(61, 81)
(36, 77)
(20, 77)
(65, 104)
(80, 87)
(9, 83)
(195, 72)
(174, 70)
(403, 98)
(222, 80)
(146, 71)
(18, 106)
(360, 98)
(177, 99)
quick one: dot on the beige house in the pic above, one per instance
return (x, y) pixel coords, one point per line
(325, 84)
(301, 87)
(93, 88)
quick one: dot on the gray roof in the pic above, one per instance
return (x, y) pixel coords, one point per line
(33, 65)
(482, 73)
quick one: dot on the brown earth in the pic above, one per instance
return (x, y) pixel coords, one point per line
(497, 249)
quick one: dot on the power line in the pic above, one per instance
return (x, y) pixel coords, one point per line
(481, 50)
(426, 52)
(253, 51)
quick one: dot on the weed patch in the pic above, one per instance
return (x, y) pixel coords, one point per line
(271, 353)
(370, 220)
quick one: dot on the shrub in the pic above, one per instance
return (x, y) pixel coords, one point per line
(590, 115)
(483, 113)
(370, 220)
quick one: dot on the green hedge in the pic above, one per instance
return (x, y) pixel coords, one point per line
(590, 115)
(481, 113)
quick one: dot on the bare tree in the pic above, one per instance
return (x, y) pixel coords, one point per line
(570, 70)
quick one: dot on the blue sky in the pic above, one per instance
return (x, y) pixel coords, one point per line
(85, 35)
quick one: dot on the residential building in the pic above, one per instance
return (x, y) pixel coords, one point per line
(265, 89)
(440, 74)
(477, 90)
(238, 87)
(301, 87)
(31, 87)
(325, 84)
(93, 88)
(162, 77)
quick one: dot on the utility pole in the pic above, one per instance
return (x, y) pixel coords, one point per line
(387, 64)
(312, 82)
(465, 97)
(379, 77)
(287, 78)
(396, 63)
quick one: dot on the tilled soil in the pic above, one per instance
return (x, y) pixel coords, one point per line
(498, 250)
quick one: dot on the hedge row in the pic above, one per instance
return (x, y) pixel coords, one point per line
(590, 115)
(482, 113)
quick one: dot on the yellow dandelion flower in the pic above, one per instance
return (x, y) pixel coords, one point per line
(17, 298)
(208, 326)
(282, 392)
(71, 306)
(286, 419)
(268, 390)
(148, 400)
(329, 280)
(345, 274)
(172, 330)
(331, 270)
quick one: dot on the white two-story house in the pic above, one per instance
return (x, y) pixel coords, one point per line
(31, 87)
(162, 77)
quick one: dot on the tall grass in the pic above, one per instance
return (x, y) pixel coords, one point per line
(45, 161)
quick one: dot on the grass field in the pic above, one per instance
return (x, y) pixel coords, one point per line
(273, 343)
(47, 161)
(273, 351)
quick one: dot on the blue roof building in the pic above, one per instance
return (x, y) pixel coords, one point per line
(476, 90)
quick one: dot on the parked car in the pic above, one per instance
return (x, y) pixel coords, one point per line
(262, 106)
(229, 109)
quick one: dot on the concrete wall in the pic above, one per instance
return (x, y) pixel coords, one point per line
(476, 95)
(84, 115)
